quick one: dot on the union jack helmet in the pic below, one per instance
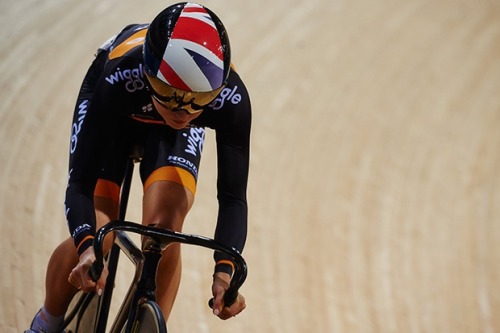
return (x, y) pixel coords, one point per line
(187, 49)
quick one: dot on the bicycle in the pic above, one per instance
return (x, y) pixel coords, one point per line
(139, 312)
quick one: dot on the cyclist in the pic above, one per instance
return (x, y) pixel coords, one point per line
(156, 86)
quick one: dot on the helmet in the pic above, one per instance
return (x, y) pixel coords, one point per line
(187, 56)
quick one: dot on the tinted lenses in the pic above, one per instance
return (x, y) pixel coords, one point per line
(178, 99)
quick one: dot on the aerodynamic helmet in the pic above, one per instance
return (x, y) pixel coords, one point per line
(187, 56)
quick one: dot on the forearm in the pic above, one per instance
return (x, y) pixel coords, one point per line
(80, 217)
(231, 231)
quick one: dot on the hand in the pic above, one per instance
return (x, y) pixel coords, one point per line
(80, 278)
(219, 287)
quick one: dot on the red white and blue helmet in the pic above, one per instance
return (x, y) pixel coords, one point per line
(187, 48)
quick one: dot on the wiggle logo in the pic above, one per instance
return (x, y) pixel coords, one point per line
(134, 78)
(77, 125)
(226, 95)
(195, 140)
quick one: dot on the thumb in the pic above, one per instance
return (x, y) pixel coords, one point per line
(98, 289)
(218, 303)
(219, 287)
(101, 283)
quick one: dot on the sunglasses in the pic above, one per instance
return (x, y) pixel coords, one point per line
(180, 100)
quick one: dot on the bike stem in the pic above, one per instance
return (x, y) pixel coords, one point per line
(146, 286)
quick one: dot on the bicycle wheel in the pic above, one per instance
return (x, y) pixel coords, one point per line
(82, 313)
(149, 319)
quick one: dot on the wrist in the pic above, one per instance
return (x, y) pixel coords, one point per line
(84, 244)
(222, 278)
(224, 266)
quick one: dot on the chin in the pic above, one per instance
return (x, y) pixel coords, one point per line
(177, 126)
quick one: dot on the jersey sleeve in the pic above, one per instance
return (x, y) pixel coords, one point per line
(102, 102)
(233, 154)
(91, 125)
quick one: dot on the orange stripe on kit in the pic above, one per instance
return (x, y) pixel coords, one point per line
(227, 262)
(107, 189)
(83, 241)
(173, 174)
(127, 45)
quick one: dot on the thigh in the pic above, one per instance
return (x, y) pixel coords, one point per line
(172, 155)
(127, 138)
(169, 170)
(166, 204)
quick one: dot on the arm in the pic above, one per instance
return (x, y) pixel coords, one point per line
(233, 162)
(87, 135)
(233, 150)
(85, 156)
(80, 213)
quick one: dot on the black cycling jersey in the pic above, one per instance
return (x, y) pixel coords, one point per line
(114, 111)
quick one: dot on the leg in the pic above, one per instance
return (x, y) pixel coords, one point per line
(166, 204)
(169, 171)
(59, 291)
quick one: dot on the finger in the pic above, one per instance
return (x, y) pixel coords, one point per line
(85, 282)
(228, 313)
(101, 283)
(72, 280)
(218, 303)
(217, 307)
(238, 306)
(225, 314)
(76, 280)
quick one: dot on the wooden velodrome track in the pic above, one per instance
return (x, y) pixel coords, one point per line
(374, 192)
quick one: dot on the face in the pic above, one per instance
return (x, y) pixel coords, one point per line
(176, 119)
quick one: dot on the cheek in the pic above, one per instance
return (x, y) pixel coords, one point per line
(164, 112)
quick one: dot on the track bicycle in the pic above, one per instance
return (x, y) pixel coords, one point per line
(139, 312)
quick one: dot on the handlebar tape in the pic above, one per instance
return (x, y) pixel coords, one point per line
(229, 298)
(95, 271)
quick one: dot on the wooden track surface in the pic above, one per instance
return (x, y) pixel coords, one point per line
(374, 192)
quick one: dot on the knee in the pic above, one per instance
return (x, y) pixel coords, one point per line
(166, 205)
(167, 217)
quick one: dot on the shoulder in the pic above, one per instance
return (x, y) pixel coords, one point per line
(234, 95)
(122, 58)
(121, 85)
(124, 62)
(128, 39)
(230, 111)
